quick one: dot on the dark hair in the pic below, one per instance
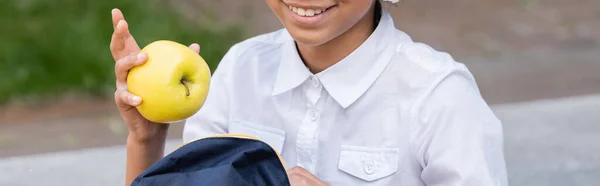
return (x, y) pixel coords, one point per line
(378, 12)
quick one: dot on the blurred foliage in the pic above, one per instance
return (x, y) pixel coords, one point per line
(51, 47)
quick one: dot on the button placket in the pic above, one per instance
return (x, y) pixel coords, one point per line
(314, 115)
(315, 82)
(313, 91)
(306, 144)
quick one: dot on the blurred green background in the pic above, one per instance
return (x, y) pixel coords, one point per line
(49, 48)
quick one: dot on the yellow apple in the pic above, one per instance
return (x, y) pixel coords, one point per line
(173, 83)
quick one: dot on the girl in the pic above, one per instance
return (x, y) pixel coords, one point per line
(345, 97)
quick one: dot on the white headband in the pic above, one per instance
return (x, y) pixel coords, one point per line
(392, 1)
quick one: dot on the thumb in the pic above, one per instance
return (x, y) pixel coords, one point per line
(195, 47)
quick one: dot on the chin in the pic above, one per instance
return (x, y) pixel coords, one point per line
(310, 38)
(309, 41)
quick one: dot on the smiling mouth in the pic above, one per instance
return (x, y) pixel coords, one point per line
(307, 12)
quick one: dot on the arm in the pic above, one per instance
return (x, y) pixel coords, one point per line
(458, 140)
(141, 154)
(212, 118)
(146, 140)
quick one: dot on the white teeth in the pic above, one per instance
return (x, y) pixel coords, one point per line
(301, 12)
(306, 12)
(310, 12)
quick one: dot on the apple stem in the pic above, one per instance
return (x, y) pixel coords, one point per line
(187, 89)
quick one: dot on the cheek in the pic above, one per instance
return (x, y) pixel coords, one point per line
(357, 9)
(352, 14)
(274, 5)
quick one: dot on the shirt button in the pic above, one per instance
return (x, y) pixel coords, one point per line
(315, 82)
(314, 115)
(369, 167)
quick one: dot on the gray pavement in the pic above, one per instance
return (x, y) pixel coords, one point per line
(556, 141)
(553, 142)
(103, 166)
(548, 143)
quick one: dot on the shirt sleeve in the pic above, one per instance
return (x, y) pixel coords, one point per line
(457, 138)
(213, 117)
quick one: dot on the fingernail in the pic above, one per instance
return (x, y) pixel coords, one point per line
(141, 57)
(120, 24)
(136, 100)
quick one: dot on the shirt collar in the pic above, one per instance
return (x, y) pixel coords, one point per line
(350, 78)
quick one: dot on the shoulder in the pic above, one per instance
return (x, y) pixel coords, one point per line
(442, 74)
(444, 91)
(427, 71)
(435, 78)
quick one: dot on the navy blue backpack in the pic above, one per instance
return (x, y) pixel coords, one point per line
(225, 160)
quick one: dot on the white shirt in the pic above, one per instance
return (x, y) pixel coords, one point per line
(393, 112)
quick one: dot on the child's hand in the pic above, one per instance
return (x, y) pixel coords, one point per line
(301, 177)
(125, 52)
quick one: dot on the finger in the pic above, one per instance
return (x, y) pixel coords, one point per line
(298, 170)
(125, 64)
(126, 99)
(117, 16)
(301, 180)
(304, 173)
(297, 179)
(119, 38)
(195, 47)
